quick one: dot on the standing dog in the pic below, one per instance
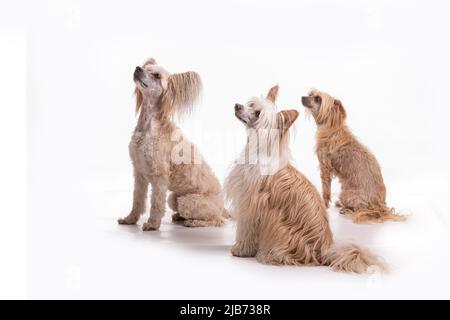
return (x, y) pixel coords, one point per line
(281, 218)
(363, 194)
(163, 158)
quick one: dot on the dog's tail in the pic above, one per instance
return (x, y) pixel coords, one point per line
(352, 258)
(377, 215)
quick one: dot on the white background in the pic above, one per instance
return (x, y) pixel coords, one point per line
(67, 113)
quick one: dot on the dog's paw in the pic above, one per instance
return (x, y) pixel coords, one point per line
(192, 223)
(241, 251)
(346, 211)
(176, 217)
(150, 226)
(128, 220)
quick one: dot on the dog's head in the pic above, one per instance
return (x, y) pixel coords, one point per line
(171, 92)
(261, 113)
(325, 109)
(267, 132)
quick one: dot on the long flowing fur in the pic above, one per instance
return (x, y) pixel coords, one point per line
(281, 218)
(183, 90)
(139, 100)
(377, 214)
(351, 258)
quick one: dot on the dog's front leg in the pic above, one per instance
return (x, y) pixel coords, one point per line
(158, 203)
(139, 197)
(246, 238)
(325, 175)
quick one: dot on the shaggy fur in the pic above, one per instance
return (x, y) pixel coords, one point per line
(281, 218)
(363, 194)
(162, 157)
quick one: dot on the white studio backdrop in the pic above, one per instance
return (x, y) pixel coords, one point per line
(387, 61)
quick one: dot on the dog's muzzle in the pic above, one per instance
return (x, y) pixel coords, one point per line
(137, 73)
(305, 102)
(237, 112)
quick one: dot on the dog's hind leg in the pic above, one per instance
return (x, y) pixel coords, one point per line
(172, 202)
(173, 205)
(361, 211)
(139, 198)
(200, 210)
(349, 202)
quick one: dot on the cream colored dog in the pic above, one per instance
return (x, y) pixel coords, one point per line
(162, 157)
(363, 194)
(281, 218)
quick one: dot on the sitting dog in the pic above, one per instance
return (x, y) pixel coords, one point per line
(281, 218)
(363, 194)
(163, 158)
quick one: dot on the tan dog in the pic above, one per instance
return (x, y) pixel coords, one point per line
(281, 218)
(162, 157)
(363, 194)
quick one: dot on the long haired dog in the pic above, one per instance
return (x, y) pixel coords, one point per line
(281, 218)
(163, 158)
(363, 194)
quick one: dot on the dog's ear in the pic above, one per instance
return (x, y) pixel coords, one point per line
(139, 99)
(338, 114)
(183, 89)
(273, 93)
(340, 108)
(286, 118)
(150, 61)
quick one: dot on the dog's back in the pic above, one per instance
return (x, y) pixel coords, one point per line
(294, 226)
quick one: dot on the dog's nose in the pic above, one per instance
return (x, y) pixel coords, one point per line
(238, 106)
(305, 101)
(138, 69)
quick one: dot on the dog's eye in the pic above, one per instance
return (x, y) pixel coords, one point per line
(157, 75)
(257, 113)
(317, 99)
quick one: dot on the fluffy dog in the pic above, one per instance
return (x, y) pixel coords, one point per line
(363, 194)
(163, 158)
(281, 218)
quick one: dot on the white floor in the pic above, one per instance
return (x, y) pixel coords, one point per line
(93, 257)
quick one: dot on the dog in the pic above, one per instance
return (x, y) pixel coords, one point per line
(340, 154)
(281, 218)
(162, 157)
